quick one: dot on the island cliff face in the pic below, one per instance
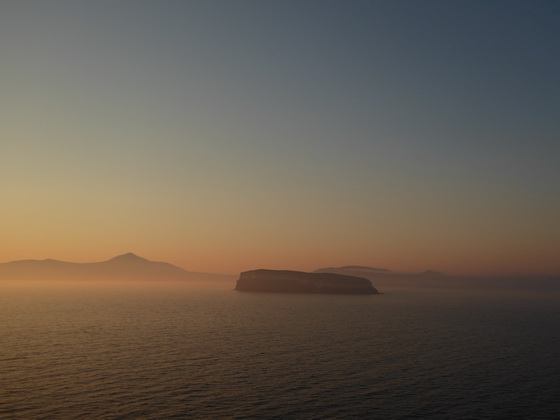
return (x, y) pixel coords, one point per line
(284, 281)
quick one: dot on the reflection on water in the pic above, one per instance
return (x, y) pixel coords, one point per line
(159, 351)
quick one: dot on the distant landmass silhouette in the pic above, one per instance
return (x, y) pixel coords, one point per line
(126, 266)
(287, 281)
(434, 279)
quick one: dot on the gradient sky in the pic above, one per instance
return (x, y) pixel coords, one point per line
(224, 136)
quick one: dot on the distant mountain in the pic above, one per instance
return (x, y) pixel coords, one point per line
(383, 278)
(354, 268)
(128, 258)
(127, 266)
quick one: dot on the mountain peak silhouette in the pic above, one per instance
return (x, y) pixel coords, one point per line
(127, 266)
(129, 257)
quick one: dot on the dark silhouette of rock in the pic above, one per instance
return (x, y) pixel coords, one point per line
(284, 281)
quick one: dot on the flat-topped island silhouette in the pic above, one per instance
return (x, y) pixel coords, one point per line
(287, 281)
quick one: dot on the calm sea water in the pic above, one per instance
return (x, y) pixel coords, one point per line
(171, 351)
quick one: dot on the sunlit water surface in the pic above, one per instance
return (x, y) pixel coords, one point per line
(174, 351)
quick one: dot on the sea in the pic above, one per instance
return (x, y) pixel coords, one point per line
(110, 350)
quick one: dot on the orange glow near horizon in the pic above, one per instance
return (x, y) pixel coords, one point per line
(213, 235)
(222, 260)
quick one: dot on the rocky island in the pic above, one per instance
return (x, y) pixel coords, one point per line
(285, 281)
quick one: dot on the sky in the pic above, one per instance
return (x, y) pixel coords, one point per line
(224, 136)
